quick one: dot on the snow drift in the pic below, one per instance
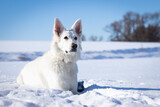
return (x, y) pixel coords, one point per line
(114, 74)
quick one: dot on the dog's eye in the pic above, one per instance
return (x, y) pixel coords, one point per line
(66, 37)
(75, 38)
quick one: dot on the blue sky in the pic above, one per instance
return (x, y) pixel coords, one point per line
(32, 20)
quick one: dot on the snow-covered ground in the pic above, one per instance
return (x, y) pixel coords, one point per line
(114, 74)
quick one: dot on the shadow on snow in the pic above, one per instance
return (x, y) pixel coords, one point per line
(94, 86)
(120, 54)
(112, 54)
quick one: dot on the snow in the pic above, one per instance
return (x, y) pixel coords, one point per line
(41, 46)
(118, 74)
(27, 51)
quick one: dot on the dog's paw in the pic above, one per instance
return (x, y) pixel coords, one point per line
(80, 86)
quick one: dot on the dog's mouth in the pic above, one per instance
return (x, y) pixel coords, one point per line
(72, 50)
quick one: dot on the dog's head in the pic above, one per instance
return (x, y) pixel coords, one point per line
(69, 41)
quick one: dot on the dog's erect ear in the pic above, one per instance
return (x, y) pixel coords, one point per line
(77, 26)
(58, 27)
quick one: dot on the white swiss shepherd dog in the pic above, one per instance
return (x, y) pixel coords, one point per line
(57, 68)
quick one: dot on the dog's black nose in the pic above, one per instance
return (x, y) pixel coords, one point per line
(74, 46)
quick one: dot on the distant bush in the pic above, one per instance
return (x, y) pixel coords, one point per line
(136, 27)
(95, 38)
(23, 58)
(83, 38)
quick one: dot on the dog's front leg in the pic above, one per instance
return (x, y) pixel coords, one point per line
(74, 90)
(74, 87)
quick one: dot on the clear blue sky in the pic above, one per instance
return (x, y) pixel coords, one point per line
(33, 19)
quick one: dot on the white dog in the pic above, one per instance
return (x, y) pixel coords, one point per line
(57, 68)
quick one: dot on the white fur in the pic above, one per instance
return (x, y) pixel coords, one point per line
(57, 68)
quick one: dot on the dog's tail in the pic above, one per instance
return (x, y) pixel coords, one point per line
(20, 79)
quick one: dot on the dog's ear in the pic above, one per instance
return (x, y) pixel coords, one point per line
(77, 26)
(58, 27)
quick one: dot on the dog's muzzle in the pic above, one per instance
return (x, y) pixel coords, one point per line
(74, 47)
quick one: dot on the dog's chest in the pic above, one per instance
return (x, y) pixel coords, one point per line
(62, 67)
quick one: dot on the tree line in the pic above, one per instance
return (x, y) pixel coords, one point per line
(92, 38)
(136, 27)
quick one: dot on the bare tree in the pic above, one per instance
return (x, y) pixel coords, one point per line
(100, 38)
(136, 27)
